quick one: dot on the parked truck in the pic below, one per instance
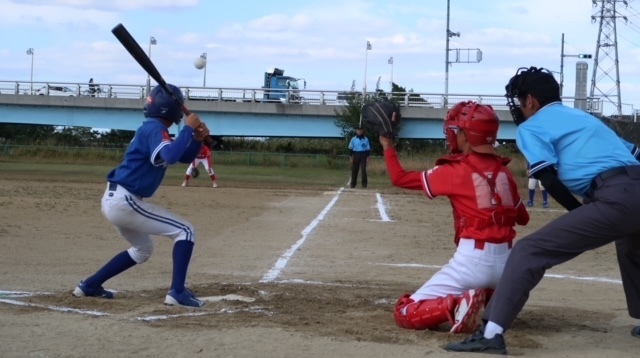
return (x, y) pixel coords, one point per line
(277, 88)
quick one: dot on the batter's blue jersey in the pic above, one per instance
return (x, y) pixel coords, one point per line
(143, 168)
(576, 143)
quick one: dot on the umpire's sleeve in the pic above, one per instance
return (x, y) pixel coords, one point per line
(550, 181)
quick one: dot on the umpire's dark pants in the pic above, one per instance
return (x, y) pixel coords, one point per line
(359, 161)
(612, 214)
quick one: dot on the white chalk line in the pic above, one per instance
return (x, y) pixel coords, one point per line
(55, 308)
(284, 259)
(551, 275)
(381, 208)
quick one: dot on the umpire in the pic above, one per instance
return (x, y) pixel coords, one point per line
(359, 150)
(571, 153)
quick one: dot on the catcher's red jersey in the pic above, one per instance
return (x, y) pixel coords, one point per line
(204, 152)
(473, 203)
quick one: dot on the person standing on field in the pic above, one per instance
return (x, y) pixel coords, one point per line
(359, 151)
(137, 178)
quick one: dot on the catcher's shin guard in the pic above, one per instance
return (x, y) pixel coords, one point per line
(424, 314)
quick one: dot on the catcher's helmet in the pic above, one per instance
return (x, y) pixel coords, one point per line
(478, 121)
(161, 104)
(537, 82)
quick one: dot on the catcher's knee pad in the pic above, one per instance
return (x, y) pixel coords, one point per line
(141, 253)
(424, 314)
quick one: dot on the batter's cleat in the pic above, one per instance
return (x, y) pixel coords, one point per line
(184, 183)
(476, 343)
(636, 331)
(185, 299)
(529, 204)
(215, 184)
(545, 205)
(83, 290)
(467, 311)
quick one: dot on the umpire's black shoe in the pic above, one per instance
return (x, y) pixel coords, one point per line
(478, 344)
(636, 332)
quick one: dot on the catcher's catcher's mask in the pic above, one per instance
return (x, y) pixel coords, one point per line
(479, 122)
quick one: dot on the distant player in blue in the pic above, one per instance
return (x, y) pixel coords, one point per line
(573, 154)
(533, 182)
(359, 151)
(138, 177)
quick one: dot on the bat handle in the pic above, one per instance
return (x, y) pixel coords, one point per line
(185, 110)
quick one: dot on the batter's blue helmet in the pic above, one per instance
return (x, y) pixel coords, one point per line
(161, 104)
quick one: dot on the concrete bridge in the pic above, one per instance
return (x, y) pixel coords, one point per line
(422, 114)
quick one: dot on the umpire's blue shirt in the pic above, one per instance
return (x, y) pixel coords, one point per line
(359, 144)
(578, 144)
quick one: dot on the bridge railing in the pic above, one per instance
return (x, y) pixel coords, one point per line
(308, 97)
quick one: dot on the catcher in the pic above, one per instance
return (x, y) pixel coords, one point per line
(203, 157)
(486, 207)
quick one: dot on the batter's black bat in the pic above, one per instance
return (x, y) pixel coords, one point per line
(138, 54)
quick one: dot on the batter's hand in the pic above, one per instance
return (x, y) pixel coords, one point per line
(192, 121)
(201, 133)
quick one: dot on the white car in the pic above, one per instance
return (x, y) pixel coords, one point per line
(56, 91)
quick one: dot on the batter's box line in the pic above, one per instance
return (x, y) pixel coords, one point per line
(550, 275)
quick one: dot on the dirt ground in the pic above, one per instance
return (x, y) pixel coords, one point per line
(332, 296)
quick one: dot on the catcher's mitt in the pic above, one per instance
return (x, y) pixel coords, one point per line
(378, 118)
(195, 172)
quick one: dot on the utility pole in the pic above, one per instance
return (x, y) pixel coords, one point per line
(446, 61)
(562, 56)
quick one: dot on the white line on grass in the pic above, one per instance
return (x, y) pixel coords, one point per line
(284, 259)
(382, 209)
(551, 275)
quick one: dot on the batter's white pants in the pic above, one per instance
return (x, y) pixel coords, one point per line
(137, 220)
(533, 182)
(469, 268)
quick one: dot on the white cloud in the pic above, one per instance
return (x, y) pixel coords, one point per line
(112, 5)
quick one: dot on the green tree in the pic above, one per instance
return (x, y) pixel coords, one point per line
(25, 133)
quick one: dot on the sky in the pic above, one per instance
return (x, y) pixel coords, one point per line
(322, 41)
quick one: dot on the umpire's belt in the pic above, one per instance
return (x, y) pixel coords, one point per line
(115, 189)
(599, 180)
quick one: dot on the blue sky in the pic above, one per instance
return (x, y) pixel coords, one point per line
(321, 41)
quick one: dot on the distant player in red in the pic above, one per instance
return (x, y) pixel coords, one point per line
(204, 157)
(486, 207)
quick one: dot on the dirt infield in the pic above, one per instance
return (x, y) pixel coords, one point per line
(324, 270)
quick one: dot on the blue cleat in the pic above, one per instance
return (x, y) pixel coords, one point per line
(545, 205)
(83, 290)
(185, 299)
(529, 203)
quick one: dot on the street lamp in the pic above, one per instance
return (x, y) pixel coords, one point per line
(31, 52)
(204, 80)
(390, 61)
(152, 41)
(366, 52)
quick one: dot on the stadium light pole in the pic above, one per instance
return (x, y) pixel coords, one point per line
(31, 52)
(390, 61)
(204, 80)
(152, 41)
(366, 53)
